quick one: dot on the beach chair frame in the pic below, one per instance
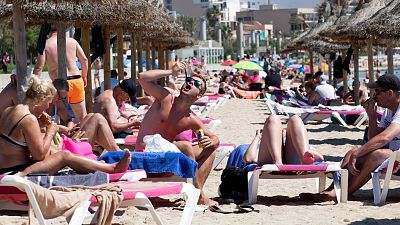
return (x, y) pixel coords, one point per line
(140, 199)
(266, 172)
(384, 171)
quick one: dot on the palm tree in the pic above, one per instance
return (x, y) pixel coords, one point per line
(213, 16)
(190, 24)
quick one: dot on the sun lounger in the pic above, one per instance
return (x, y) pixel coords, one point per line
(388, 170)
(321, 171)
(322, 112)
(15, 190)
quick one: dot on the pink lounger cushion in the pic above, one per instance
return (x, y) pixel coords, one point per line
(321, 167)
(130, 140)
(149, 189)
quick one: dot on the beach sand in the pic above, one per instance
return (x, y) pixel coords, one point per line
(278, 201)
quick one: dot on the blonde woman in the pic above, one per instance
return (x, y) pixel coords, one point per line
(23, 146)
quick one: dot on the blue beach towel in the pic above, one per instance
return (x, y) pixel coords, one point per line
(236, 159)
(157, 162)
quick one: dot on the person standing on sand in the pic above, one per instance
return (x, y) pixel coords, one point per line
(170, 115)
(76, 79)
(361, 161)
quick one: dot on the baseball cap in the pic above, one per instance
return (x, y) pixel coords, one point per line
(14, 71)
(388, 81)
(129, 87)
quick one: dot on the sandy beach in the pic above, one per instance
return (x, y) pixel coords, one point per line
(278, 201)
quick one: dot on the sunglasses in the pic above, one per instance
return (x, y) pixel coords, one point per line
(190, 79)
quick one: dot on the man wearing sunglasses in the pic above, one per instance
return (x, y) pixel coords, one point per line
(170, 115)
(383, 137)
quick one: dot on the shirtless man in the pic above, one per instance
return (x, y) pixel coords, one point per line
(169, 116)
(109, 103)
(76, 80)
(8, 95)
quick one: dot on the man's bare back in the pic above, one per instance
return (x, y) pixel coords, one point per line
(73, 51)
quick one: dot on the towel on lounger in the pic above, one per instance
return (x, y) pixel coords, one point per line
(66, 180)
(156, 162)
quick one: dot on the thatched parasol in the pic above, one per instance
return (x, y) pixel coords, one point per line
(355, 29)
(385, 24)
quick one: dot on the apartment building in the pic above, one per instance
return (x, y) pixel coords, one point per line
(198, 8)
(288, 21)
(252, 4)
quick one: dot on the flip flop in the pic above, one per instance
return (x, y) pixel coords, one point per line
(217, 209)
(238, 209)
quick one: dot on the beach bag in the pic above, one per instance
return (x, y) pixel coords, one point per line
(234, 184)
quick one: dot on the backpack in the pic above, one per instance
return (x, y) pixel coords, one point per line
(234, 184)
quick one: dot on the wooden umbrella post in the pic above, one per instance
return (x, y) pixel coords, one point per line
(140, 61)
(345, 79)
(120, 56)
(370, 64)
(20, 48)
(390, 57)
(153, 55)
(148, 63)
(356, 81)
(106, 64)
(89, 86)
(133, 58)
(311, 62)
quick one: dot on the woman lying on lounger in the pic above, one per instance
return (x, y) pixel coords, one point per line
(280, 147)
(24, 148)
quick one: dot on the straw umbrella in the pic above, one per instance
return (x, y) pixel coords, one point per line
(138, 13)
(385, 26)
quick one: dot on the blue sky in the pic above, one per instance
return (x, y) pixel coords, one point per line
(286, 4)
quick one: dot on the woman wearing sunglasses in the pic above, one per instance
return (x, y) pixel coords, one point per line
(170, 115)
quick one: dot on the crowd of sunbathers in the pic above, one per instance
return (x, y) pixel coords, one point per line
(28, 128)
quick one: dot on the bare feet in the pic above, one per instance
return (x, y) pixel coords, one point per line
(204, 200)
(310, 157)
(123, 164)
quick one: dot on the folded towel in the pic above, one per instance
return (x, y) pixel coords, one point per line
(66, 180)
(157, 162)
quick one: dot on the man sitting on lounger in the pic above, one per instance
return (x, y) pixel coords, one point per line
(361, 161)
(109, 103)
(169, 116)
